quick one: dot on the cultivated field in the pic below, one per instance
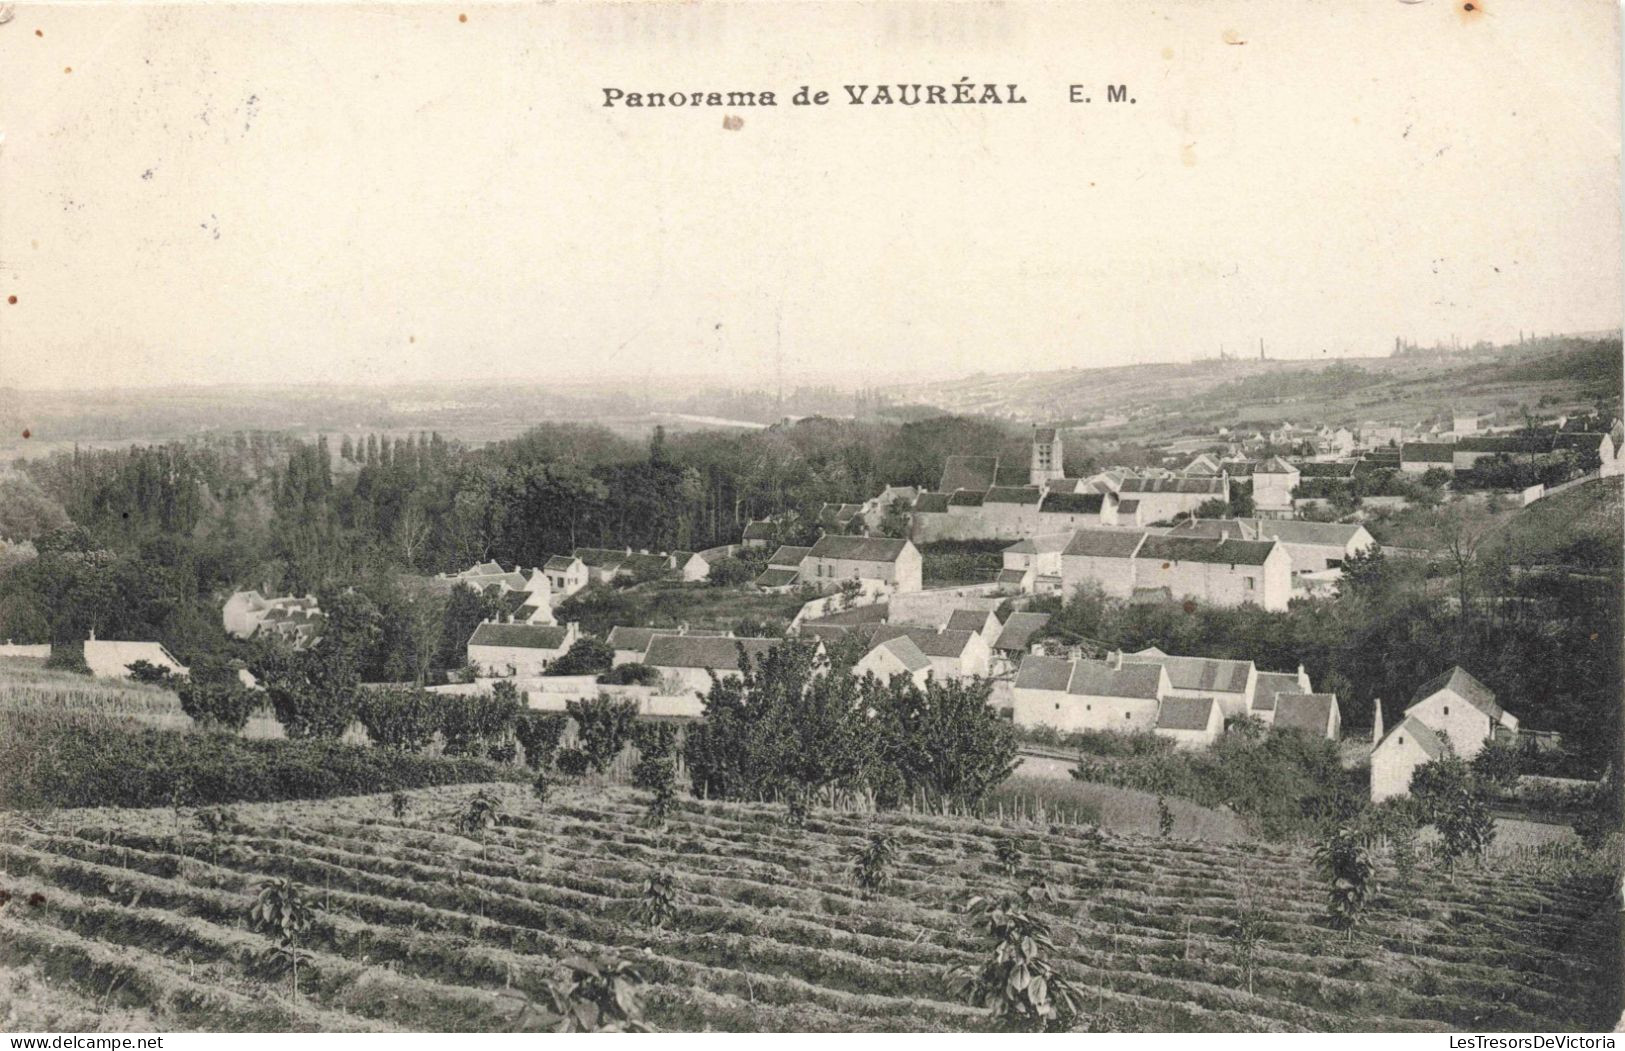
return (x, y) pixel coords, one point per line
(140, 913)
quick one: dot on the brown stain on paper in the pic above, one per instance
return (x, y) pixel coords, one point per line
(732, 123)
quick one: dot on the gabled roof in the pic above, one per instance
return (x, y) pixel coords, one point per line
(1286, 530)
(1043, 543)
(519, 636)
(1072, 504)
(1128, 507)
(759, 530)
(1019, 629)
(788, 555)
(1002, 494)
(1203, 549)
(859, 548)
(873, 613)
(1427, 452)
(1011, 576)
(1197, 673)
(111, 658)
(1424, 736)
(969, 472)
(931, 643)
(1327, 470)
(1309, 712)
(1185, 713)
(562, 563)
(1275, 465)
(1271, 684)
(1044, 435)
(1043, 673)
(1464, 686)
(931, 503)
(969, 619)
(1202, 486)
(628, 638)
(967, 498)
(694, 651)
(777, 577)
(1202, 466)
(1507, 443)
(904, 649)
(1105, 543)
(1098, 679)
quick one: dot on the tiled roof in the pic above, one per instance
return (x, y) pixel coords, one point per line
(1465, 686)
(968, 619)
(931, 503)
(1105, 543)
(1044, 434)
(560, 563)
(1097, 679)
(1201, 486)
(691, 651)
(1072, 504)
(601, 557)
(1327, 470)
(1309, 712)
(1043, 673)
(859, 548)
(1043, 543)
(1185, 713)
(1286, 530)
(967, 498)
(873, 613)
(904, 649)
(1198, 673)
(1011, 576)
(931, 643)
(1019, 630)
(759, 531)
(519, 636)
(1127, 507)
(788, 555)
(1202, 549)
(1025, 494)
(1272, 684)
(628, 638)
(1275, 465)
(777, 577)
(1507, 443)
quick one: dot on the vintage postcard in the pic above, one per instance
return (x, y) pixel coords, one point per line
(887, 516)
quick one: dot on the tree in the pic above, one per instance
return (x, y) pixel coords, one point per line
(728, 572)
(586, 656)
(872, 863)
(1346, 863)
(632, 673)
(281, 910)
(1015, 981)
(944, 739)
(603, 726)
(224, 704)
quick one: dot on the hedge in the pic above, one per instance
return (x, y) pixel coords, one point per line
(42, 765)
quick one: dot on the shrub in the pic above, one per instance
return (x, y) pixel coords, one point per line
(471, 723)
(872, 863)
(573, 762)
(220, 705)
(1014, 980)
(659, 902)
(151, 674)
(401, 719)
(600, 996)
(1346, 864)
(632, 673)
(68, 656)
(1497, 764)
(586, 656)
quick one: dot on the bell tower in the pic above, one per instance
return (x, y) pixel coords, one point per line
(1046, 462)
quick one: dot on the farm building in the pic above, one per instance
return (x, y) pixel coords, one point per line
(1396, 757)
(294, 617)
(880, 564)
(953, 654)
(689, 661)
(522, 650)
(895, 656)
(1421, 457)
(1271, 685)
(783, 569)
(1316, 714)
(1231, 683)
(1190, 722)
(983, 622)
(1461, 710)
(1164, 499)
(759, 534)
(109, 659)
(1019, 631)
(1312, 546)
(1072, 696)
(566, 574)
(1273, 482)
(1034, 564)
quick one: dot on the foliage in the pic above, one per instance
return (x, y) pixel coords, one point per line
(600, 996)
(659, 902)
(656, 775)
(632, 673)
(728, 572)
(1497, 764)
(573, 762)
(472, 723)
(1346, 863)
(1246, 934)
(219, 704)
(68, 656)
(402, 719)
(44, 762)
(1165, 818)
(586, 656)
(872, 863)
(281, 911)
(400, 804)
(541, 786)
(150, 674)
(603, 727)
(945, 740)
(539, 733)
(1015, 981)
(1008, 853)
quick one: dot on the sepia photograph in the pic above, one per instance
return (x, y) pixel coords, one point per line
(769, 516)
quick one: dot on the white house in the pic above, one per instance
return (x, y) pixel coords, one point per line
(1072, 696)
(759, 534)
(1461, 710)
(1162, 499)
(1407, 746)
(109, 659)
(983, 622)
(1273, 482)
(687, 662)
(1190, 722)
(1034, 564)
(566, 574)
(1019, 631)
(783, 568)
(1231, 683)
(1312, 546)
(295, 616)
(689, 566)
(1220, 572)
(1103, 556)
(953, 654)
(880, 564)
(896, 656)
(519, 650)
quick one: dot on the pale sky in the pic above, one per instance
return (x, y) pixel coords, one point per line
(364, 194)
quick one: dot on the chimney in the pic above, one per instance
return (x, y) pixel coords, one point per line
(1303, 679)
(92, 634)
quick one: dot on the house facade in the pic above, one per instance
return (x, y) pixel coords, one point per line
(1072, 696)
(893, 657)
(1190, 722)
(688, 662)
(1273, 482)
(880, 564)
(504, 649)
(1396, 757)
(1461, 710)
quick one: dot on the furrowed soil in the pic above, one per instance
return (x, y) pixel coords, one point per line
(117, 915)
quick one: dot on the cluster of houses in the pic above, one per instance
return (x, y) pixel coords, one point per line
(1452, 713)
(297, 619)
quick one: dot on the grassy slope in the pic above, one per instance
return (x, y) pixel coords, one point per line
(1546, 530)
(421, 928)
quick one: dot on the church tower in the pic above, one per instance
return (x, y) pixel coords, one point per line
(1046, 464)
